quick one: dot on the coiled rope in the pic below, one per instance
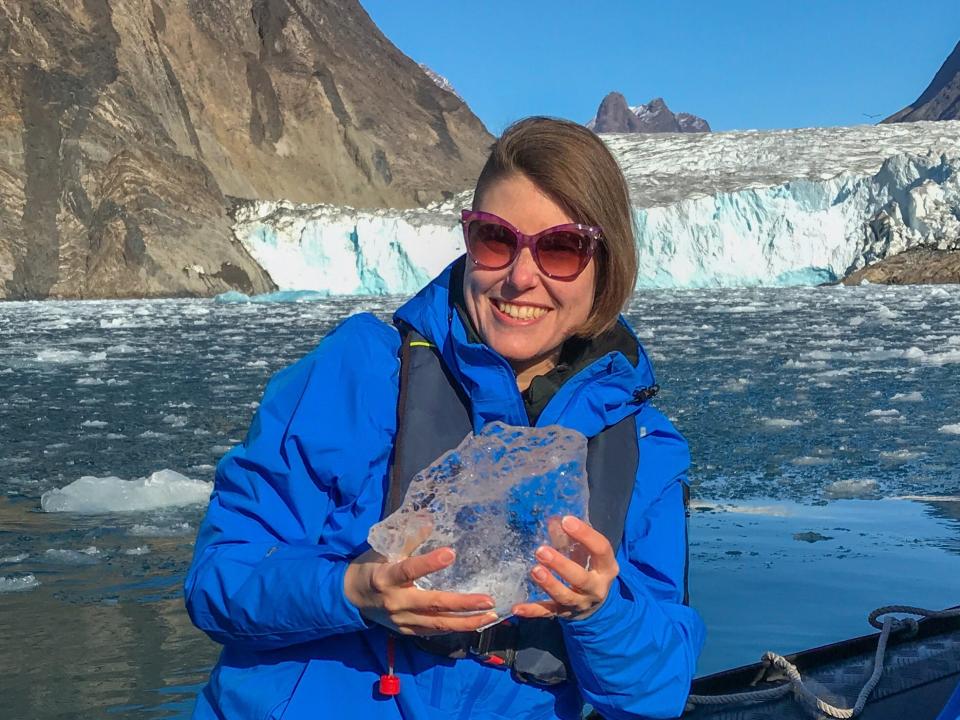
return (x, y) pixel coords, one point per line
(806, 697)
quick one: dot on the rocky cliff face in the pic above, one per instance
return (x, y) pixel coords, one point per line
(941, 99)
(125, 123)
(615, 116)
(917, 266)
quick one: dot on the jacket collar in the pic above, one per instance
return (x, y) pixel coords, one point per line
(599, 395)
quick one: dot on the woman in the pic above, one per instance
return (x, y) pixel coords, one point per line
(525, 329)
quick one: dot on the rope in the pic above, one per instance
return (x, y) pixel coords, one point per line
(806, 696)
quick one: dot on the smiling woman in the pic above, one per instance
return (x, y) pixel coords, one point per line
(525, 330)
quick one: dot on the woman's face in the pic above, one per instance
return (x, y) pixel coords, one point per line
(520, 312)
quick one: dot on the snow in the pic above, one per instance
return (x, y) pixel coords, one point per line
(787, 207)
(164, 488)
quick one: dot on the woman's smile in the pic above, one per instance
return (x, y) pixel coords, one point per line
(521, 313)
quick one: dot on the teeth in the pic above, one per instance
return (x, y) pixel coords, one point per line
(521, 312)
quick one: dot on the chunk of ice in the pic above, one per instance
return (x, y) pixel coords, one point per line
(491, 499)
(164, 488)
(14, 583)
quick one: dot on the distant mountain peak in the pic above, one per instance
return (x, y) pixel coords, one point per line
(614, 115)
(941, 99)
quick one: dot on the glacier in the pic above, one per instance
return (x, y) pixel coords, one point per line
(745, 208)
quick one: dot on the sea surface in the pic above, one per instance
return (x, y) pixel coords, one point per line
(824, 424)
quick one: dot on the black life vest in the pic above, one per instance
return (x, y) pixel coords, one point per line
(433, 416)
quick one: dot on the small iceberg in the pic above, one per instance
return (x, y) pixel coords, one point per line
(18, 583)
(163, 489)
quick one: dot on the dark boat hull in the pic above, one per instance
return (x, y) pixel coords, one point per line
(919, 675)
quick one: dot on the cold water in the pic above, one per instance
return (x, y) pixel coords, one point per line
(824, 424)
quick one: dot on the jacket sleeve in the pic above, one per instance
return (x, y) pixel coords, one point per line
(283, 522)
(636, 655)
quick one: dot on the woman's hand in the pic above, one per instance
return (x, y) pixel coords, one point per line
(384, 593)
(587, 588)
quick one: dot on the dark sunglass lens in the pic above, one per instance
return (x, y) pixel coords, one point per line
(491, 245)
(562, 254)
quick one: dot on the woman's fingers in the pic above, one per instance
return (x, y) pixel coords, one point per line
(602, 558)
(413, 623)
(542, 609)
(404, 572)
(437, 601)
(560, 593)
(575, 575)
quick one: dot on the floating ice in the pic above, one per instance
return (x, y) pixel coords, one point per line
(780, 423)
(491, 499)
(852, 489)
(69, 356)
(281, 296)
(897, 456)
(950, 429)
(164, 488)
(915, 396)
(141, 530)
(68, 556)
(15, 583)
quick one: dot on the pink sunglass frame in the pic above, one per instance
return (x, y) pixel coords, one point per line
(590, 233)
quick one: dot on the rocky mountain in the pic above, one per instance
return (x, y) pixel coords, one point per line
(615, 116)
(440, 80)
(941, 99)
(127, 125)
(916, 266)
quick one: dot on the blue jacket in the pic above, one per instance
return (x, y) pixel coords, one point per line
(292, 506)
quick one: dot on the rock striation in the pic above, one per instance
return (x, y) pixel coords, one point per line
(615, 116)
(941, 99)
(127, 125)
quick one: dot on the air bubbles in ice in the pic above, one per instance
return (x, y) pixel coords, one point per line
(494, 499)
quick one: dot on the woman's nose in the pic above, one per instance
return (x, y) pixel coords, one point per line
(524, 273)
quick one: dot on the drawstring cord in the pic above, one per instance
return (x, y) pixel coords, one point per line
(390, 683)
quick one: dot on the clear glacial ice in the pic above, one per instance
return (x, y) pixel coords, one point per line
(493, 499)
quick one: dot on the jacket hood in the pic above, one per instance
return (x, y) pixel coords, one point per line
(599, 395)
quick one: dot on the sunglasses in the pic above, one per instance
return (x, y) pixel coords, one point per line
(561, 252)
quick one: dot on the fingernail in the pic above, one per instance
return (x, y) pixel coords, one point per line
(569, 522)
(486, 605)
(539, 573)
(491, 616)
(446, 556)
(544, 553)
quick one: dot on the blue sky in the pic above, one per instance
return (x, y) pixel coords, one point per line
(738, 64)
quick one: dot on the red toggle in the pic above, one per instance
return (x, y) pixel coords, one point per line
(494, 660)
(389, 685)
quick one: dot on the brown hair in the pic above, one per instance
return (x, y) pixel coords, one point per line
(573, 167)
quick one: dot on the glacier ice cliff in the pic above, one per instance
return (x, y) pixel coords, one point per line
(786, 207)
